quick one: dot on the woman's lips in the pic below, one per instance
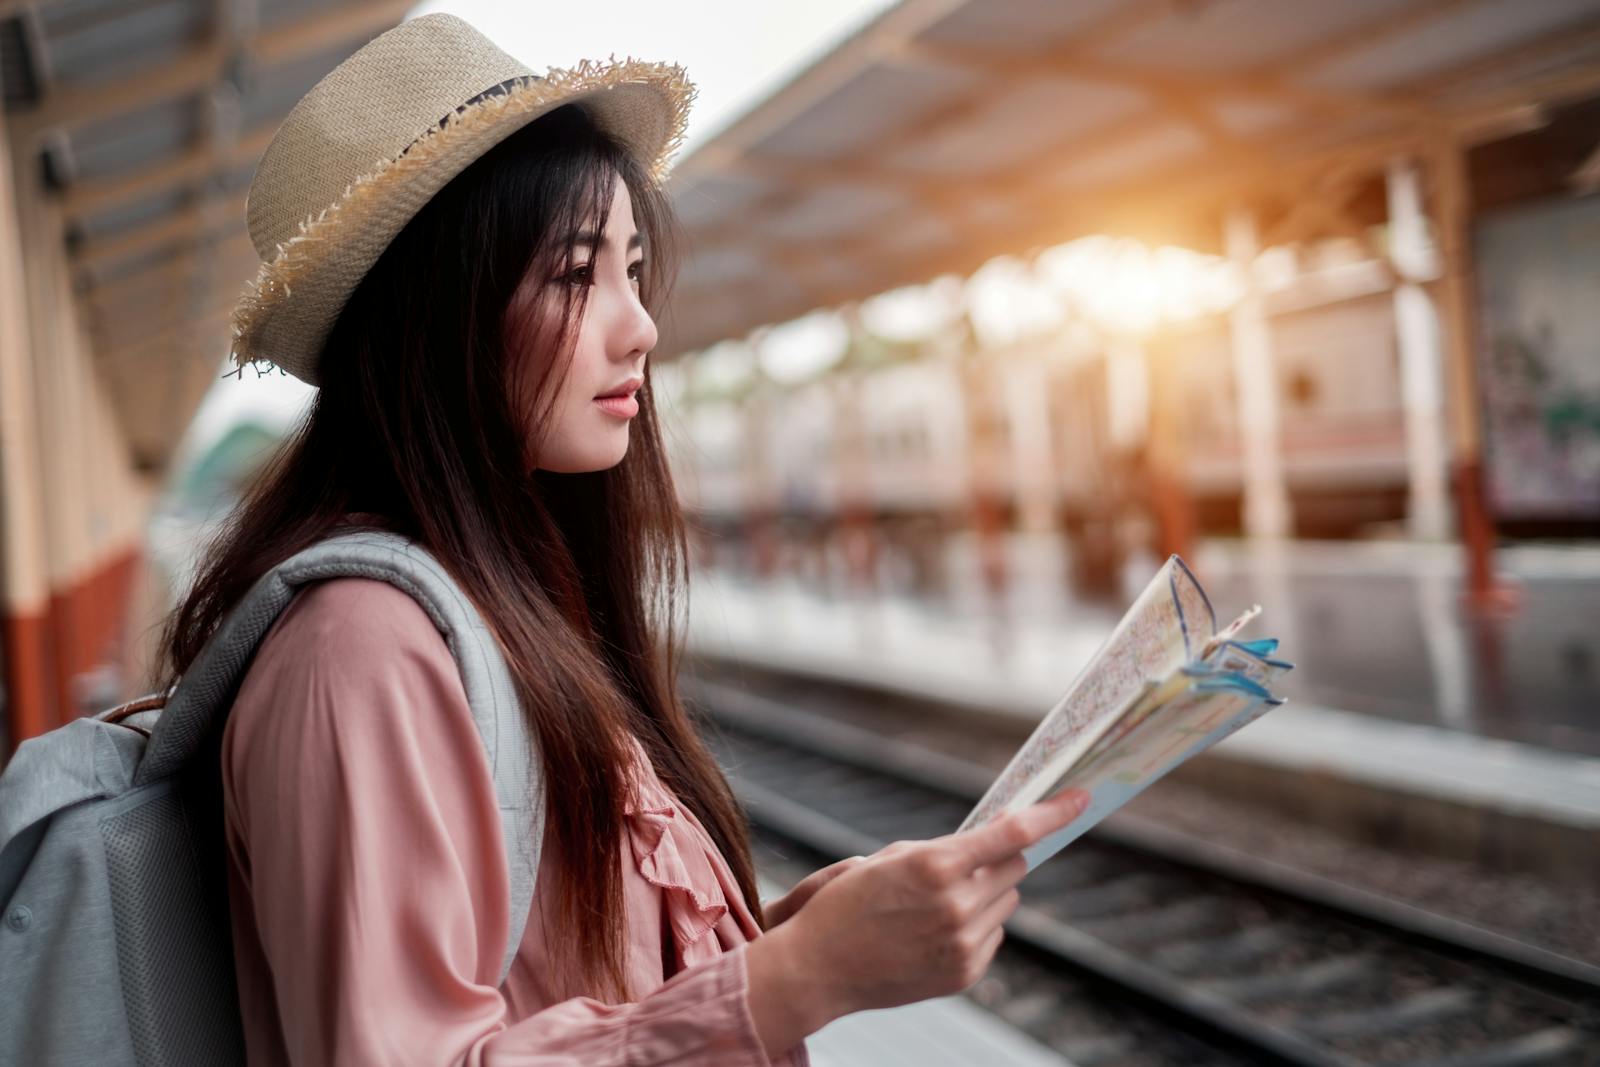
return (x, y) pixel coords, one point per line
(623, 405)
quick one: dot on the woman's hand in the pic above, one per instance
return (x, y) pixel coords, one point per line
(917, 919)
(785, 906)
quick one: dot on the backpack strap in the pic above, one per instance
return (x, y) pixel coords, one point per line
(203, 697)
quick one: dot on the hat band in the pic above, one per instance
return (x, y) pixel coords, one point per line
(500, 89)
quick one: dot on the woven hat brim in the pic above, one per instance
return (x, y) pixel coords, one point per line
(286, 312)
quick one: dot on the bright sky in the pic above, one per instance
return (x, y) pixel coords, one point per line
(736, 52)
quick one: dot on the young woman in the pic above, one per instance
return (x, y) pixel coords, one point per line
(478, 311)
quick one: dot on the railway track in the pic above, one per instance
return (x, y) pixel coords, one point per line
(1256, 962)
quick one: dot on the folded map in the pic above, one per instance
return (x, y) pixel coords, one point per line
(1166, 685)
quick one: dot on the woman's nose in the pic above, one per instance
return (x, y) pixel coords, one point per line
(636, 332)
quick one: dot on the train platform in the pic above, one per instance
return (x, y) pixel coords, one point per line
(946, 1030)
(1407, 721)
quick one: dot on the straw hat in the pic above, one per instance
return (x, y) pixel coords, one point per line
(372, 142)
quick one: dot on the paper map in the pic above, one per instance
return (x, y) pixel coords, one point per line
(1165, 685)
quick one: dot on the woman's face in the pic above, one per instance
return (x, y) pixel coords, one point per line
(588, 418)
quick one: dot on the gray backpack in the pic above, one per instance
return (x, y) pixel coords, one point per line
(115, 944)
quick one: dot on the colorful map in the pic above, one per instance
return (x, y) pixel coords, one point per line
(1165, 686)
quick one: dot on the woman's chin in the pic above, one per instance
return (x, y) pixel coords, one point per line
(586, 461)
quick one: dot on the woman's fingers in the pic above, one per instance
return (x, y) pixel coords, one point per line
(784, 908)
(821, 877)
(996, 910)
(992, 945)
(817, 879)
(989, 882)
(1015, 831)
(988, 928)
(978, 963)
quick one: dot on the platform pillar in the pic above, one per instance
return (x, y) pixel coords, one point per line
(1415, 259)
(1458, 316)
(1266, 497)
(1171, 504)
(1033, 469)
(24, 592)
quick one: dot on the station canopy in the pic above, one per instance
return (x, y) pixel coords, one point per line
(147, 118)
(946, 133)
(941, 134)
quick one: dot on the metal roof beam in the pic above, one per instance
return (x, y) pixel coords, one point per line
(233, 250)
(234, 257)
(1186, 192)
(944, 194)
(939, 194)
(1244, 165)
(67, 108)
(106, 13)
(1362, 35)
(127, 333)
(206, 64)
(1563, 40)
(1047, 217)
(832, 70)
(186, 338)
(340, 25)
(1178, 95)
(187, 226)
(1069, 61)
(193, 166)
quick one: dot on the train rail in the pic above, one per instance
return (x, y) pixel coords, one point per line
(1260, 962)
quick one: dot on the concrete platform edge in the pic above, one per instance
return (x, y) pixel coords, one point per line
(1508, 805)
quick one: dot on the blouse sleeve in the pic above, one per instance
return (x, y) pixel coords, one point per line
(357, 783)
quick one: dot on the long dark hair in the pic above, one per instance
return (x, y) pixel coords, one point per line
(578, 575)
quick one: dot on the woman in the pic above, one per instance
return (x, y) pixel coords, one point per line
(477, 311)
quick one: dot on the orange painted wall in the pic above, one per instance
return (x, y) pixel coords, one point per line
(81, 628)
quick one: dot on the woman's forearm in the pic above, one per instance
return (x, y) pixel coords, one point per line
(787, 1001)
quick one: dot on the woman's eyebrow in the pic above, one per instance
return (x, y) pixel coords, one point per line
(589, 237)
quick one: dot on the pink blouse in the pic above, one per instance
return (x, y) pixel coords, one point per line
(368, 879)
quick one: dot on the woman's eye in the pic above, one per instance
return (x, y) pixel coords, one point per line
(584, 275)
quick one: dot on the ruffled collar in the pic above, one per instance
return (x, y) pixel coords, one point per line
(674, 856)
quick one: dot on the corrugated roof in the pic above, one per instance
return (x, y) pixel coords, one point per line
(942, 134)
(946, 133)
(152, 114)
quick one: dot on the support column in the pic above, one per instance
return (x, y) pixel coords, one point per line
(762, 497)
(1457, 310)
(857, 522)
(1128, 422)
(1415, 260)
(1266, 498)
(1027, 400)
(987, 470)
(1170, 500)
(1127, 394)
(24, 597)
(58, 404)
